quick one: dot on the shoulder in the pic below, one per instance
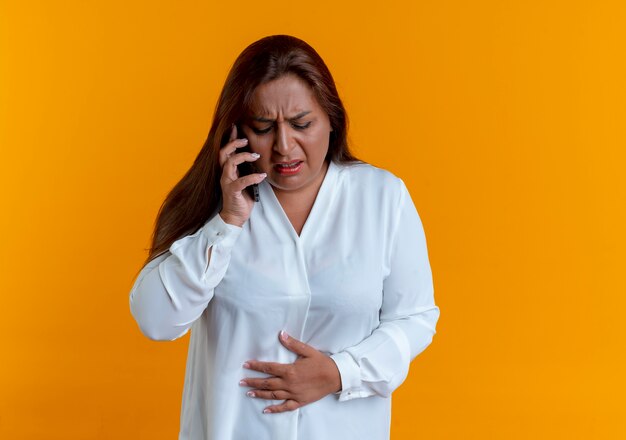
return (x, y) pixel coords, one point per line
(376, 197)
(377, 181)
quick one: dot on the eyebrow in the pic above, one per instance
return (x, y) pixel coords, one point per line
(296, 117)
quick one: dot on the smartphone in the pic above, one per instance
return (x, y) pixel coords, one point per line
(246, 168)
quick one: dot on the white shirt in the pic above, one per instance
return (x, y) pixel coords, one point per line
(356, 285)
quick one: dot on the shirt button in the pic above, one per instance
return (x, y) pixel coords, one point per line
(218, 233)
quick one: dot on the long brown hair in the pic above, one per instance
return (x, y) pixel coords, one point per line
(197, 195)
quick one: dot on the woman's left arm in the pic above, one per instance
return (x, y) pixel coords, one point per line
(379, 363)
(408, 316)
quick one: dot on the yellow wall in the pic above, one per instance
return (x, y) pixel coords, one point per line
(505, 119)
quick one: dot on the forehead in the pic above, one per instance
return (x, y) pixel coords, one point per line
(286, 95)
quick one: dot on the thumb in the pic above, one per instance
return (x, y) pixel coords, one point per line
(292, 344)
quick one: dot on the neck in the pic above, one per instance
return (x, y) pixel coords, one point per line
(304, 198)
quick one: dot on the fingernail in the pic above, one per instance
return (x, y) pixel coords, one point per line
(283, 335)
(242, 383)
(263, 174)
(256, 155)
(246, 365)
(250, 393)
(266, 411)
(244, 141)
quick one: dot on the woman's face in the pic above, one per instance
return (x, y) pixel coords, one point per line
(289, 129)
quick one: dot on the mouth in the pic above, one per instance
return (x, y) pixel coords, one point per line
(288, 168)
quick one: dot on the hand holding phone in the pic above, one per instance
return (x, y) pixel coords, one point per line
(239, 183)
(247, 168)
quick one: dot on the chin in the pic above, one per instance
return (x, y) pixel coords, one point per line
(287, 185)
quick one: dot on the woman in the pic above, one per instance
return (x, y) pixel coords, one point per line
(307, 306)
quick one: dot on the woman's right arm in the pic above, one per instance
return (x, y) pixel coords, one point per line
(173, 290)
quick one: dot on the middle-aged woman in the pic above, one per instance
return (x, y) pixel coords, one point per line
(307, 306)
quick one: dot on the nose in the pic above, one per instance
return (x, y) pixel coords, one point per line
(283, 142)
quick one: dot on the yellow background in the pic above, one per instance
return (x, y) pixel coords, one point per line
(505, 119)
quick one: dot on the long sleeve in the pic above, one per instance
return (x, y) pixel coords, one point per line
(408, 315)
(173, 290)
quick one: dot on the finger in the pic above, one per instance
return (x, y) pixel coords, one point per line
(229, 168)
(288, 405)
(229, 149)
(246, 156)
(233, 133)
(273, 368)
(239, 184)
(269, 395)
(298, 347)
(263, 383)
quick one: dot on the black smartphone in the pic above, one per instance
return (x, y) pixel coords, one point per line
(246, 168)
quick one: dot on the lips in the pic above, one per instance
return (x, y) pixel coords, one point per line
(288, 168)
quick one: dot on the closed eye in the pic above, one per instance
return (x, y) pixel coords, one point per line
(257, 131)
(301, 127)
(266, 130)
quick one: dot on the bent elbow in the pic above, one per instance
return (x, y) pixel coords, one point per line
(152, 329)
(156, 333)
(152, 333)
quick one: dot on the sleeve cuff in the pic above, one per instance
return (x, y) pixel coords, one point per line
(351, 386)
(217, 230)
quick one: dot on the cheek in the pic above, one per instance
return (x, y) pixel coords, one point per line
(317, 147)
(260, 145)
(263, 163)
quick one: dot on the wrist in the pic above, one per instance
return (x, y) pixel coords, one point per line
(230, 220)
(334, 378)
